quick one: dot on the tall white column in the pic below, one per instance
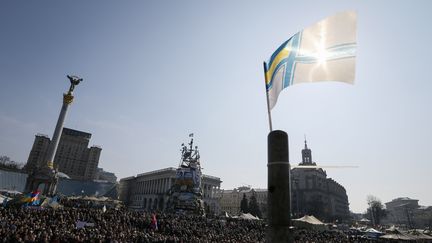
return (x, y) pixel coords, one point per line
(67, 100)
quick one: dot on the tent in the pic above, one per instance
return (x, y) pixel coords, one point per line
(3, 198)
(364, 221)
(395, 234)
(373, 233)
(419, 235)
(396, 237)
(247, 216)
(309, 222)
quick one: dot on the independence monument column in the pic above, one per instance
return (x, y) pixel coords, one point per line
(46, 174)
(67, 100)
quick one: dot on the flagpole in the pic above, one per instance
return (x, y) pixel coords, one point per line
(267, 95)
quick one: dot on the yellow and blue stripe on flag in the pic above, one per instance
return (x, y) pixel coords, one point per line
(324, 51)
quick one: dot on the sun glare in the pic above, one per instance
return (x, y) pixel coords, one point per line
(322, 56)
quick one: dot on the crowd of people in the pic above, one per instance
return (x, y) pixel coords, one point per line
(79, 221)
(309, 236)
(31, 224)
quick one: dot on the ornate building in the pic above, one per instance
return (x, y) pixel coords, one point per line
(315, 194)
(149, 191)
(73, 156)
(311, 193)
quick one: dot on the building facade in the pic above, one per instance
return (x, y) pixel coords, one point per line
(315, 194)
(15, 181)
(105, 175)
(149, 191)
(230, 200)
(312, 193)
(407, 212)
(73, 157)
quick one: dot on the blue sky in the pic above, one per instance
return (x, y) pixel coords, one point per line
(155, 71)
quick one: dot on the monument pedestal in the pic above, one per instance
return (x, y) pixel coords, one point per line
(46, 177)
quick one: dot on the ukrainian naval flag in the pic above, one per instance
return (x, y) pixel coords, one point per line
(323, 52)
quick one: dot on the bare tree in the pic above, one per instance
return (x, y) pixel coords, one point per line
(376, 210)
(7, 163)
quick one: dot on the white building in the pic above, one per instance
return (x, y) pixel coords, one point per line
(230, 199)
(407, 212)
(149, 190)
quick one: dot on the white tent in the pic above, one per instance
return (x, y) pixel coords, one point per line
(2, 198)
(310, 219)
(247, 216)
(364, 221)
(309, 222)
(373, 231)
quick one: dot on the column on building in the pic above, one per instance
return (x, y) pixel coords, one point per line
(145, 187)
(139, 187)
(149, 186)
(156, 185)
(152, 187)
(163, 185)
(160, 185)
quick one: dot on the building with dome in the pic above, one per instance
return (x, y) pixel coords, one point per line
(313, 193)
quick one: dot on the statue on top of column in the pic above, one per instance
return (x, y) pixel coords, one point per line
(75, 80)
